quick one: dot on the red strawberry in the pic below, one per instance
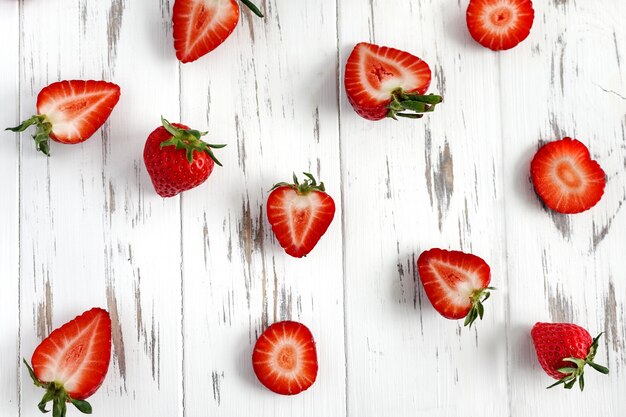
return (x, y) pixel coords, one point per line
(70, 111)
(385, 82)
(72, 362)
(300, 214)
(177, 160)
(284, 358)
(563, 350)
(500, 24)
(566, 178)
(456, 283)
(200, 26)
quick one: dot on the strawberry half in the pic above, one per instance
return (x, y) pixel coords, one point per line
(200, 26)
(177, 159)
(563, 350)
(456, 283)
(566, 178)
(285, 359)
(72, 362)
(500, 24)
(70, 112)
(385, 82)
(300, 214)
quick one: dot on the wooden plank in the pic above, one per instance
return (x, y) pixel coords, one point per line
(9, 209)
(409, 186)
(94, 232)
(273, 102)
(567, 79)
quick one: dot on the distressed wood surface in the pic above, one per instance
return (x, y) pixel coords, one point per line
(192, 281)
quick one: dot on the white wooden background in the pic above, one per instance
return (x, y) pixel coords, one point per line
(192, 281)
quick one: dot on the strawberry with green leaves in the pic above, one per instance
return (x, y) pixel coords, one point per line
(300, 214)
(177, 159)
(563, 350)
(70, 112)
(456, 283)
(386, 82)
(72, 362)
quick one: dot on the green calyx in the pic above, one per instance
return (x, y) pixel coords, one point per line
(59, 397)
(252, 7)
(308, 185)
(410, 105)
(189, 140)
(576, 371)
(478, 297)
(42, 134)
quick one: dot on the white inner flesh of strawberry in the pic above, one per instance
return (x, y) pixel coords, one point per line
(500, 17)
(407, 80)
(301, 210)
(217, 10)
(66, 115)
(72, 352)
(458, 286)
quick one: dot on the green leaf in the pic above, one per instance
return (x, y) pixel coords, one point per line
(59, 408)
(47, 397)
(252, 7)
(416, 106)
(428, 99)
(599, 368)
(566, 370)
(36, 380)
(409, 115)
(83, 406)
(570, 384)
(25, 124)
(581, 382)
(579, 362)
(481, 310)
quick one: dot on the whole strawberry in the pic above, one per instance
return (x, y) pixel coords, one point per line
(563, 350)
(177, 159)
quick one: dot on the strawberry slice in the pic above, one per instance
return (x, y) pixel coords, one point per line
(456, 283)
(200, 26)
(385, 82)
(299, 214)
(70, 111)
(566, 178)
(285, 359)
(500, 24)
(72, 362)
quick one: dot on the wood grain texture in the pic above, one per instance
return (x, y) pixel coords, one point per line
(193, 280)
(434, 182)
(9, 212)
(276, 109)
(567, 80)
(94, 233)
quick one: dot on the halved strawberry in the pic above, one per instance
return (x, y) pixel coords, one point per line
(200, 26)
(566, 178)
(300, 214)
(456, 283)
(385, 82)
(70, 111)
(563, 350)
(72, 362)
(500, 24)
(285, 359)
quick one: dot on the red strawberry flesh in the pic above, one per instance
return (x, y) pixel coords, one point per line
(374, 73)
(566, 178)
(500, 24)
(299, 216)
(454, 282)
(285, 358)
